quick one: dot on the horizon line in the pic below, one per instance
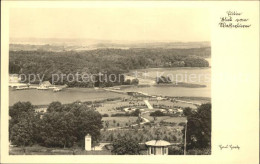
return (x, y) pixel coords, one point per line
(141, 40)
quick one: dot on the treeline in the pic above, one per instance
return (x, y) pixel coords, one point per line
(106, 61)
(198, 134)
(163, 79)
(157, 113)
(60, 126)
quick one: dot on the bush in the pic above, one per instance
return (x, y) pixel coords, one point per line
(206, 151)
(199, 128)
(125, 145)
(119, 115)
(175, 151)
(105, 115)
(113, 99)
(182, 124)
(157, 113)
(163, 79)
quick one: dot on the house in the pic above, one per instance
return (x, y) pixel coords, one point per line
(41, 110)
(157, 147)
(163, 110)
(45, 84)
(14, 78)
(159, 98)
(129, 78)
(170, 110)
(133, 109)
(180, 110)
(126, 109)
(15, 81)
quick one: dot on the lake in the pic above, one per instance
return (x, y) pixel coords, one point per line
(68, 95)
(188, 75)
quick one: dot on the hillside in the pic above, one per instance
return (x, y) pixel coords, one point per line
(107, 61)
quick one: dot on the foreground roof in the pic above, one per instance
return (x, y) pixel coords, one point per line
(158, 143)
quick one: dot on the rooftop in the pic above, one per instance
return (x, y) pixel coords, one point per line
(157, 143)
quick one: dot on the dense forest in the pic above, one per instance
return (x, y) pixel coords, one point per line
(61, 126)
(106, 61)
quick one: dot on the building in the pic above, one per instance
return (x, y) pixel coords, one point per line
(88, 142)
(163, 110)
(180, 110)
(15, 81)
(157, 147)
(14, 78)
(41, 110)
(45, 84)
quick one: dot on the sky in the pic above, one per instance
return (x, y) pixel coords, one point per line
(130, 24)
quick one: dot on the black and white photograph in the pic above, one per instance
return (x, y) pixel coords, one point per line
(98, 81)
(129, 82)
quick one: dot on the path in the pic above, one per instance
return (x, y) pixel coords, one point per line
(193, 103)
(148, 104)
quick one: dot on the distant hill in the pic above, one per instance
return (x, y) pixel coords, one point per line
(56, 44)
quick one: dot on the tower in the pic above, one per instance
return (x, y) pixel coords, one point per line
(88, 142)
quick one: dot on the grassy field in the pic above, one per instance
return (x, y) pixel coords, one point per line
(176, 120)
(110, 107)
(122, 121)
(164, 118)
(169, 129)
(146, 133)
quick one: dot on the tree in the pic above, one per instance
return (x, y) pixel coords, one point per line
(22, 125)
(61, 126)
(107, 61)
(127, 82)
(199, 128)
(20, 109)
(55, 106)
(22, 133)
(125, 145)
(187, 111)
(163, 79)
(58, 129)
(157, 113)
(135, 82)
(87, 121)
(137, 112)
(14, 68)
(138, 121)
(114, 121)
(107, 124)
